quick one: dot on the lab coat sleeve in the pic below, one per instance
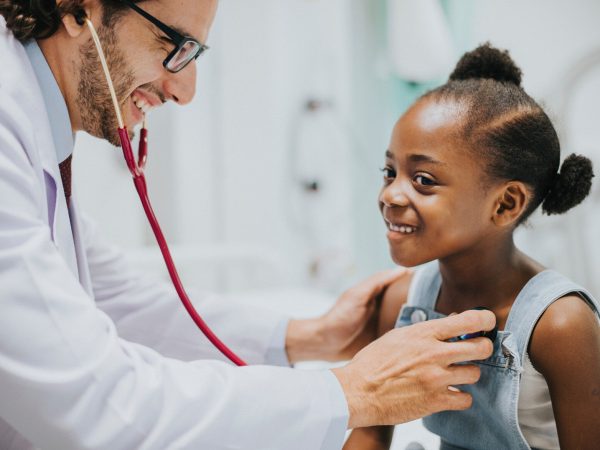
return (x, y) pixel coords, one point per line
(69, 381)
(134, 300)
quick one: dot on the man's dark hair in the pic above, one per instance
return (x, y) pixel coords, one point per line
(511, 133)
(40, 19)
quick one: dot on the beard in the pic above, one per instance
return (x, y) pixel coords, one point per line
(98, 116)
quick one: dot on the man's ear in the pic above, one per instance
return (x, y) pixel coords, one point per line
(74, 18)
(512, 201)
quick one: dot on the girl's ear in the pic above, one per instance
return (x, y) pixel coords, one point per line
(511, 203)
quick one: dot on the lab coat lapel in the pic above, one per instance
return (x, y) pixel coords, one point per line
(62, 233)
(58, 215)
(78, 240)
(61, 228)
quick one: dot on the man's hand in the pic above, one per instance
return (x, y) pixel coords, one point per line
(406, 374)
(346, 328)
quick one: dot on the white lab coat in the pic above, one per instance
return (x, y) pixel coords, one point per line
(92, 354)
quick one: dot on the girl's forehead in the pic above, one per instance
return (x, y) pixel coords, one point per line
(430, 123)
(432, 115)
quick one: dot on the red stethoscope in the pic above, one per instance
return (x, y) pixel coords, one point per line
(139, 180)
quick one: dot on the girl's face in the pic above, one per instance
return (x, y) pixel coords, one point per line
(436, 199)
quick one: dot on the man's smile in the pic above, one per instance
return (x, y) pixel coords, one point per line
(141, 102)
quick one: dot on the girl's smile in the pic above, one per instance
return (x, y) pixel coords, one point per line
(433, 200)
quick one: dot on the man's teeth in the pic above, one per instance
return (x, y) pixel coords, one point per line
(142, 104)
(405, 229)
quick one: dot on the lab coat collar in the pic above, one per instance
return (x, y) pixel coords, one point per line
(30, 94)
(58, 114)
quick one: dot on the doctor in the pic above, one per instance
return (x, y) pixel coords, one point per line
(94, 355)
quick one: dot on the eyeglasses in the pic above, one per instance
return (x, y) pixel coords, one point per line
(186, 48)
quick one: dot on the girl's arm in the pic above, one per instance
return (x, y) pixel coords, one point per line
(372, 438)
(380, 438)
(565, 349)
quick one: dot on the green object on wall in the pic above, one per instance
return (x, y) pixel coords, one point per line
(459, 15)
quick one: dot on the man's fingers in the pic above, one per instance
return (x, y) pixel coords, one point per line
(475, 349)
(467, 374)
(456, 401)
(467, 322)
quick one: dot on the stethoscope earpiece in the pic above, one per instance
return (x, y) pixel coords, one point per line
(80, 17)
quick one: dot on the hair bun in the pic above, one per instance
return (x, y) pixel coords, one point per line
(571, 186)
(487, 62)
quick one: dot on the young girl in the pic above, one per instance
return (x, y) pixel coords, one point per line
(467, 164)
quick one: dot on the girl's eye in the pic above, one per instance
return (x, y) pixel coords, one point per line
(388, 174)
(423, 180)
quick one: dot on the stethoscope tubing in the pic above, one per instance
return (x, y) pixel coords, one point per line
(136, 168)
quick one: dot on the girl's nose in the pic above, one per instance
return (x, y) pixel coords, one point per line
(394, 195)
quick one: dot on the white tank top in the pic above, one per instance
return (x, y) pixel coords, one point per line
(536, 417)
(535, 414)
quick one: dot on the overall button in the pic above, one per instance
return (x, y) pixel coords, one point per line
(418, 315)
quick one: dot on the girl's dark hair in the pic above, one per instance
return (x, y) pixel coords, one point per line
(40, 19)
(508, 128)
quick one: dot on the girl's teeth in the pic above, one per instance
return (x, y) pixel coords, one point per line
(404, 229)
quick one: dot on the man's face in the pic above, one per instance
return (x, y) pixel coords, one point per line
(135, 50)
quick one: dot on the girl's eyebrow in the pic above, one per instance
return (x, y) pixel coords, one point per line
(424, 158)
(417, 157)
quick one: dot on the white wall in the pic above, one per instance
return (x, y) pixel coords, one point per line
(217, 168)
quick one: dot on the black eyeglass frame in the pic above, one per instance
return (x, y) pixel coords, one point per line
(176, 38)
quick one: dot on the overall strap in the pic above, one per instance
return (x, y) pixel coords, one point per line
(425, 286)
(537, 295)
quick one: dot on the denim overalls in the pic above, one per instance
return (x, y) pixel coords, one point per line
(492, 422)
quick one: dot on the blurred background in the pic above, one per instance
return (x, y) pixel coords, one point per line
(267, 183)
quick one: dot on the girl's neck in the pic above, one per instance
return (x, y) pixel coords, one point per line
(490, 276)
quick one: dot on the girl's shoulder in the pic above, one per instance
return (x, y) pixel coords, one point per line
(568, 326)
(548, 308)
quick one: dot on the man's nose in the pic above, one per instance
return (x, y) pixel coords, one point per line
(181, 86)
(395, 194)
